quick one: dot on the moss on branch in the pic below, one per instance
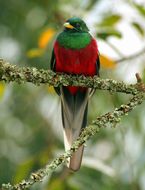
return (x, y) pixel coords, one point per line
(13, 73)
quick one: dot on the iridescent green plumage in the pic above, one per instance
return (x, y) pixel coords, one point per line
(75, 40)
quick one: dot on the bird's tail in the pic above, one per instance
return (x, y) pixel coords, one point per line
(74, 118)
(75, 161)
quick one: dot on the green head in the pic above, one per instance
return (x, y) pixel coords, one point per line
(75, 24)
(75, 34)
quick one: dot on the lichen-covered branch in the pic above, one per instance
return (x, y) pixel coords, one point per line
(13, 73)
(10, 73)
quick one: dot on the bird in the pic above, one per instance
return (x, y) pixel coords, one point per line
(75, 52)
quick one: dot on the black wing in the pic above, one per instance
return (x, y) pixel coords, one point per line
(52, 67)
(92, 91)
(98, 65)
(52, 61)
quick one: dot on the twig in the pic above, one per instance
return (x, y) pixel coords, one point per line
(115, 49)
(130, 57)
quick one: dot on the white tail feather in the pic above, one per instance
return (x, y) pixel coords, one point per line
(74, 162)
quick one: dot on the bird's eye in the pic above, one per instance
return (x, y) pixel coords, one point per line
(78, 25)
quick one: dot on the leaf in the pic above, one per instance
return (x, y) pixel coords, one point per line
(106, 25)
(105, 33)
(43, 41)
(2, 89)
(45, 37)
(57, 184)
(91, 3)
(110, 20)
(51, 89)
(140, 9)
(143, 77)
(35, 52)
(107, 62)
(61, 183)
(23, 170)
(139, 28)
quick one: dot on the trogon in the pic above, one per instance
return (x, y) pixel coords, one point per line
(75, 52)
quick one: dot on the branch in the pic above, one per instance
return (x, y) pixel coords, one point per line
(130, 57)
(100, 122)
(125, 58)
(12, 73)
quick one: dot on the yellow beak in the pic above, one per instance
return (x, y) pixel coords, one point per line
(68, 25)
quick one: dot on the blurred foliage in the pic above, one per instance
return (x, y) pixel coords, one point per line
(2, 89)
(30, 125)
(45, 37)
(107, 62)
(105, 33)
(106, 28)
(109, 20)
(139, 28)
(90, 4)
(140, 8)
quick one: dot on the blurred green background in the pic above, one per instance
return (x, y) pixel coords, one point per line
(30, 123)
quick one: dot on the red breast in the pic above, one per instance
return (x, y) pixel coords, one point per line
(76, 61)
